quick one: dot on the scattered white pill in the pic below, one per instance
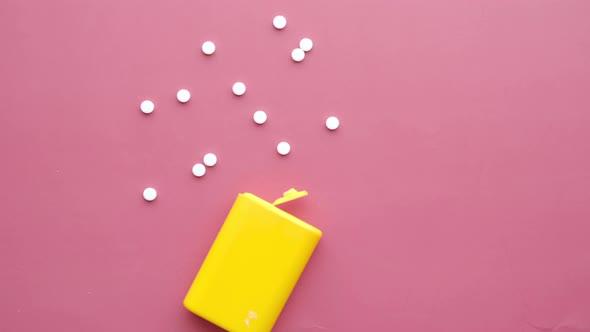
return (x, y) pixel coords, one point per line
(239, 88)
(306, 44)
(283, 148)
(147, 106)
(208, 47)
(279, 22)
(199, 170)
(260, 117)
(332, 123)
(183, 95)
(298, 55)
(149, 194)
(210, 159)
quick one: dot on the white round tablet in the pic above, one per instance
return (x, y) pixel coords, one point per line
(210, 159)
(199, 170)
(183, 95)
(306, 44)
(208, 47)
(147, 106)
(260, 117)
(279, 22)
(332, 123)
(283, 148)
(298, 55)
(149, 194)
(239, 88)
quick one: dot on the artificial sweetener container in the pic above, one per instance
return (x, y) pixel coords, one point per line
(253, 265)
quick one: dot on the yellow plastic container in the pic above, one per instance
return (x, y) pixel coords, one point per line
(253, 265)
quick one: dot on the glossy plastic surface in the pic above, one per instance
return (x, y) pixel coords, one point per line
(252, 267)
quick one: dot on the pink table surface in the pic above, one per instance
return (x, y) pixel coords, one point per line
(454, 197)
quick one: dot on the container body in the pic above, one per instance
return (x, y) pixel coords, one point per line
(252, 267)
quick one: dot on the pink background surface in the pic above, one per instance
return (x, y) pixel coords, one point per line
(454, 197)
